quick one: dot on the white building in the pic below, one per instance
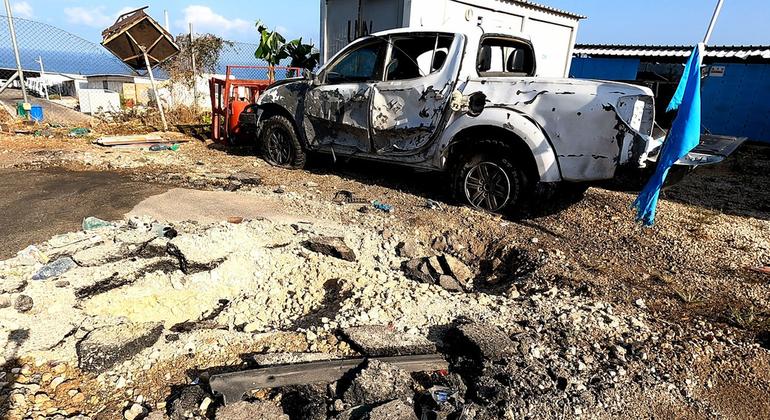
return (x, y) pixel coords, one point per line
(552, 31)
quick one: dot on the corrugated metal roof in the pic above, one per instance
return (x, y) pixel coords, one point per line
(548, 8)
(683, 51)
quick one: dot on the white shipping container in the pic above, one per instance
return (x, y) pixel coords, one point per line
(552, 31)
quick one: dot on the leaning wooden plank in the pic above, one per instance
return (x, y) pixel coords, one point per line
(233, 386)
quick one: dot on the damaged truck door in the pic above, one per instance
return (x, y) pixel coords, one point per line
(410, 103)
(337, 110)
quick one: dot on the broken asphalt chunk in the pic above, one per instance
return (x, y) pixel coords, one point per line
(105, 347)
(331, 246)
(378, 382)
(483, 342)
(375, 340)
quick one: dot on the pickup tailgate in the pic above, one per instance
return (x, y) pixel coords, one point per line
(712, 149)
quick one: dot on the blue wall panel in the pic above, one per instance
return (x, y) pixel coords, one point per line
(604, 68)
(738, 104)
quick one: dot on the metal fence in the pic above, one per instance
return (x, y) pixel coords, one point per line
(60, 51)
(66, 53)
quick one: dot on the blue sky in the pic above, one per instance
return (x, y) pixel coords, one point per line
(650, 21)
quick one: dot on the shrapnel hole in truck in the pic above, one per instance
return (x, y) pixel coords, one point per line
(468, 104)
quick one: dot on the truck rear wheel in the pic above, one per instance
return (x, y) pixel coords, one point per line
(489, 179)
(279, 143)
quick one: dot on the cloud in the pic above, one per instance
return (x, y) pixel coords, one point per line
(22, 9)
(93, 17)
(205, 20)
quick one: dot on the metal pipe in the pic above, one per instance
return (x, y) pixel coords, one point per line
(155, 90)
(42, 76)
(12, 29)
(165, 15)
(713, 23)
(192, 63)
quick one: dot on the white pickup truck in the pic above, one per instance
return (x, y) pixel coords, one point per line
(465, 103)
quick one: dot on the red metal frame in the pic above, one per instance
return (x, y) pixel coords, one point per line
(223, 92)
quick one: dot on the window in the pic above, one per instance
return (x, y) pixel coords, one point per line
(105, 85)
(417, 56)
(360, 65)
(505, 57)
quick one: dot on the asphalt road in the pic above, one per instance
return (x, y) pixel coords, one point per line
(38, 204)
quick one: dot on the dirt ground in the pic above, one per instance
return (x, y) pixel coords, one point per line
(38, 204)
(693, 273)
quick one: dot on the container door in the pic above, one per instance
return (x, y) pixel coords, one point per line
(341, 22)
(338, 109)
(410, 104)
(381, 15)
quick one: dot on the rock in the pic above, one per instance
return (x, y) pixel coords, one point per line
(311, 184)
(23, 303)
(450, 283)
(394, 410)
(379, 382)
(55, 269)
(381, 341)
(439, 244)
(246, 178)
(456, 268)
(243, 410)
(186, 405)
(136, 411)
(408, 249)
(333, 247)
(61, 284)
(104, 347)
(233, 186)
(12, 285)
(355, 413)
(156, 415)
(418, 269)
(56, 382)
(5, 301)
(480, 341)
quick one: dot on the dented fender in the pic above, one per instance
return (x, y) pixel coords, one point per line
(518, 125)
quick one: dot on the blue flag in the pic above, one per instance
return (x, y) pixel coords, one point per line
(683, 137)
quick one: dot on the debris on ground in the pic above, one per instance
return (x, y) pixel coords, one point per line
(333, 247)
(444, 270)
(55, 268)
(387, 208)
(378, 382)
(79, 132)
(379, 341)
(91, 223)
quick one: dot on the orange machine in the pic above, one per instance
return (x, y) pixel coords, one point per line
(231, 96)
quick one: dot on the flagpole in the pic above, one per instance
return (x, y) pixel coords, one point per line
(713, 23)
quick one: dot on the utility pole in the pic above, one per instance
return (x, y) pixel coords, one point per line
(165, 15)
(12, 30)
(42, 77)
(713, 23)
(192, 64)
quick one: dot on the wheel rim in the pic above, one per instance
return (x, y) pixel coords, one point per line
(278, 148)
(488, 187)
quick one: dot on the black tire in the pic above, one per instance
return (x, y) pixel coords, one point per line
(487, 176)
(279, 143)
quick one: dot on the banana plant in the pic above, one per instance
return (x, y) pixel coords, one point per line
(273, 48)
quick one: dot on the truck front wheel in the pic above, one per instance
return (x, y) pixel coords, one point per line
(279, 143)
(490, 179)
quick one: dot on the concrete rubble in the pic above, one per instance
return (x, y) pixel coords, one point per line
(142, 315)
